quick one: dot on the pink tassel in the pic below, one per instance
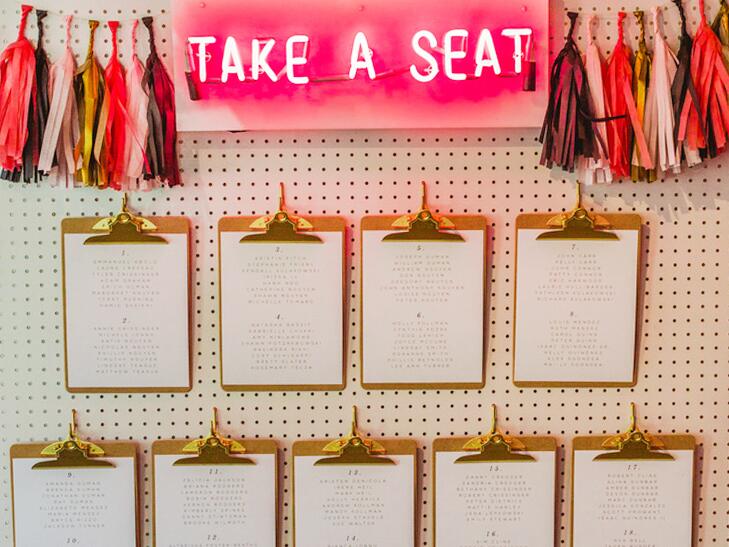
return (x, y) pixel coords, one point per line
(596, 170)
(61, 130)
(659, 123)
(17, 76)
(137, 104)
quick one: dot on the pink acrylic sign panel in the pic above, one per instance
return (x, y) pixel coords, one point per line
(330, 99)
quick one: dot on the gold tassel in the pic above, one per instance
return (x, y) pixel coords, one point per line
(93, 109)
(721, 29)
(641, 73)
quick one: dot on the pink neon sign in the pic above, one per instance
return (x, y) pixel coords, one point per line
(335, 64)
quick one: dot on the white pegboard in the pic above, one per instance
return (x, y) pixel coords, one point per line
(684, 324)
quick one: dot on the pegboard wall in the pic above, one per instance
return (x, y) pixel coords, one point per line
(683, 325)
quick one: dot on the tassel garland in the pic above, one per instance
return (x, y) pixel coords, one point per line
(660, 109)
(116, 128)
(104, 128)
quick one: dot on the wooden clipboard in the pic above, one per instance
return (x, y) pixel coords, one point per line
(499, 448)
(385, 223)
(113, 449)
(319, 224)
(175, 447)
(165, 225)
(392, 447)
(595, 443)
(540, 221)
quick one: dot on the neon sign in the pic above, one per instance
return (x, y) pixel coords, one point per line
(330, 64)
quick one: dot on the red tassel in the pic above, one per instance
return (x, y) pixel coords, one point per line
(619, 95)
(116, 122)
(17, 78)
(712, 86)
(162, 140)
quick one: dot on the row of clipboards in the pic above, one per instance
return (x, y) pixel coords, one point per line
(282, 293)
(356, 491)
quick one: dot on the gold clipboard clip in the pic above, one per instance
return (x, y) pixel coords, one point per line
(214, 449)
(354, 449)
(72, 452)
(633, 444)
(578, 224)
(125, 228)
(281, 227)
(495, 447)
(423, 225)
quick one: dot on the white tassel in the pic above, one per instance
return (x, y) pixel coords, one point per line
(61, 130)
(137, 125)
(659, 124)
(596, 170)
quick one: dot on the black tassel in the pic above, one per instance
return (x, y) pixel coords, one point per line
(162, 137)
(43, 83)
(567, 130)
(38, 112)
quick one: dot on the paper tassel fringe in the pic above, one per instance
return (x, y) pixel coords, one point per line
(566, 132)
(162, 139)
(17, 79)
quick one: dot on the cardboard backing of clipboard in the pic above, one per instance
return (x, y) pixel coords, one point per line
(113, 449)
(384, 223)
(393, 447)
(252, 447)
(595, 443)
(539, 221)
(165, 225)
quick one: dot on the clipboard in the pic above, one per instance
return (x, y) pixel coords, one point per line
(577, 224)
(425, 227)
(122, 229)
(633, 445)
(282, 228)
(211, 451)
(73, 454)
(356, 450)
(492, 448)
